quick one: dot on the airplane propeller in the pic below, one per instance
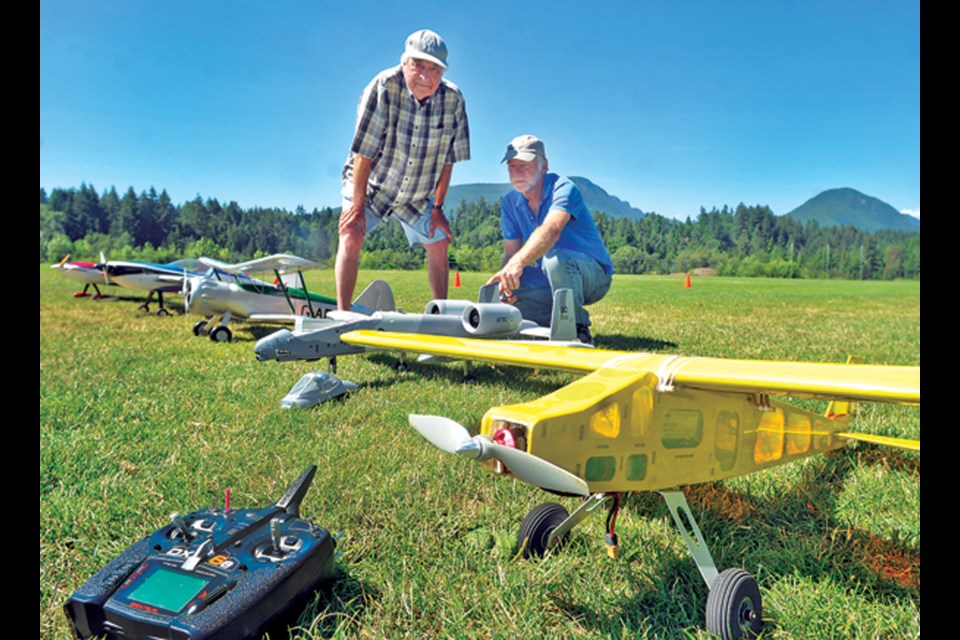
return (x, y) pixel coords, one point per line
(452, 437)
(186, 290)
(103, 267)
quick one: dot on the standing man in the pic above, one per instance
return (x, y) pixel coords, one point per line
(550, 241)
(411, 128)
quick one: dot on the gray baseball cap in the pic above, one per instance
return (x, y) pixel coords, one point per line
(427, 45)
(526, 147)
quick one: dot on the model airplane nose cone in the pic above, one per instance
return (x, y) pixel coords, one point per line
(271, 347)
(472, 448)
(452, 437)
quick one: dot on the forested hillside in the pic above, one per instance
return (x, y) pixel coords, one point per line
(744, 241)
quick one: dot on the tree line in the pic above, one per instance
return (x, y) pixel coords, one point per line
(743, 241)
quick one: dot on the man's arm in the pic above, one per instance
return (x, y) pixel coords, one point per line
(517, 257)
(356, 213)
(437, 218)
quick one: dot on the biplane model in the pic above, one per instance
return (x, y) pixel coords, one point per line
(650, 422)
(228, 291)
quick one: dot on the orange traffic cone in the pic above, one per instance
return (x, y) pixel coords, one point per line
(687, 285)
(456, 280)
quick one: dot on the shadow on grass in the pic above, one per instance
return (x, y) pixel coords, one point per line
(337, 610)
(112, 295)
(454, 371)
(620, 342)
(671, 603)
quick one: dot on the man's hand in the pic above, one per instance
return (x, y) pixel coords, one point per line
(354, 215)
(509, 280)
(439, 221)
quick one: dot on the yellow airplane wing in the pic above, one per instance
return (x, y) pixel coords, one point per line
(829, 381)
(521, 353)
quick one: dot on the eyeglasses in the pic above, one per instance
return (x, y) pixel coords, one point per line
(425, 67)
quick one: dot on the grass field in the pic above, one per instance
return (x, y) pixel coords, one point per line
(138, 419)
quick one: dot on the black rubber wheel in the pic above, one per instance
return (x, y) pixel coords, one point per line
(144, 307)
(401, 366)
(537, 527)
(162, 312)
(198, 328)
(734, 610)
(221, 334)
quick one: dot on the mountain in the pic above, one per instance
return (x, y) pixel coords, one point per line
(836, 207)
(594, 197)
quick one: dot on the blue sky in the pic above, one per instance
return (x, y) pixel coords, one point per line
(671, 105)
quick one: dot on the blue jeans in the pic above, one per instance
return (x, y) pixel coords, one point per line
(561, 269)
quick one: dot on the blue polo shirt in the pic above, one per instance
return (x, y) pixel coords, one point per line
(580, 233)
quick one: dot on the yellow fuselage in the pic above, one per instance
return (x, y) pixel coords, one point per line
(614, 429)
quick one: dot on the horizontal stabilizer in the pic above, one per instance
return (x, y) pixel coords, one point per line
(886, 441)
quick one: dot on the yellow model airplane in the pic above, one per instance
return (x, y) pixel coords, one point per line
(649, 422)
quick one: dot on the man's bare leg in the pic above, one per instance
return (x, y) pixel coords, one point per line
(347, 265)
(438, 268)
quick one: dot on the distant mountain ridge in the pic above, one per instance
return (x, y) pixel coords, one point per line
(595, 197)
(833, 207)
(846, 206)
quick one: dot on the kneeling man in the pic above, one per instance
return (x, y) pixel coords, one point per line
(550, 241)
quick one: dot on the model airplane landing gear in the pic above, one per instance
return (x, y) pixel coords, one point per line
(161, 311)
(546, 526)
(537, 526)
(733, 606)
(200, 328)
(145, 307)
(86, 287)
(221, 333)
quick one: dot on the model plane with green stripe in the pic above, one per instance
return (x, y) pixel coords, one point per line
(229, 292)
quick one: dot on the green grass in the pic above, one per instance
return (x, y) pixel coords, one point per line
(138, 419)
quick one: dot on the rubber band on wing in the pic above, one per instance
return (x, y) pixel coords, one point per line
(668, 369)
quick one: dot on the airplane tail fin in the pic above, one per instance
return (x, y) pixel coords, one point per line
(489, 293)
(563, 323)
(376, 297)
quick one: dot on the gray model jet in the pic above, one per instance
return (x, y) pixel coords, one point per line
(317, 338)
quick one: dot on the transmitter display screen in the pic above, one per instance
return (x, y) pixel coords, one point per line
(168, 589)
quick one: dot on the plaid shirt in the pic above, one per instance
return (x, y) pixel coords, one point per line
(409, 143)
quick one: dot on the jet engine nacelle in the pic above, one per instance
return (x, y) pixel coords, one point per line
(491, 319)
(446, 307)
